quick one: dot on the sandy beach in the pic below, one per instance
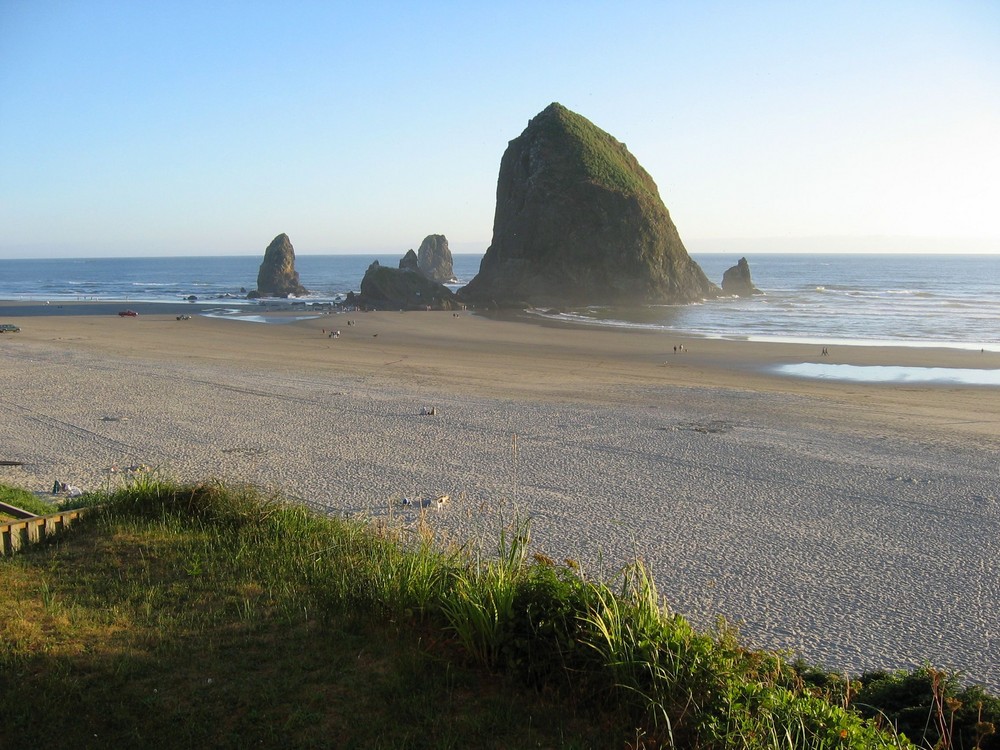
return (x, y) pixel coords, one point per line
(857, 524)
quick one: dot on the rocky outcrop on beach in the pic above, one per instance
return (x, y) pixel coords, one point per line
(277, 276)
(409, 262)
(578, 221)
(434, 259)
(737, 281)
(393, 288)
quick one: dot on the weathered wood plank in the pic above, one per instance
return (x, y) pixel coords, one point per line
(14, 535)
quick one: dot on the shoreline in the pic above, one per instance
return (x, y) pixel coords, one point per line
(274, 306)
(555, 320)
(40, 308)
(854, 523)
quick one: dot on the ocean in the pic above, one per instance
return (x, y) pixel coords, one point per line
(906, 300)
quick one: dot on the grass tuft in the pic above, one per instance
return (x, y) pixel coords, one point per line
(27, 501)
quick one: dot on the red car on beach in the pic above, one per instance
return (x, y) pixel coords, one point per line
(128, 314)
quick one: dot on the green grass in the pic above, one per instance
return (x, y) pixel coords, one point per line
(191, 616)
(25, 500)
(601, 158)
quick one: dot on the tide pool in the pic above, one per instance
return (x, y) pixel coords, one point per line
(891, 374)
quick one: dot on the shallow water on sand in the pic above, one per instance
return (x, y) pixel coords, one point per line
(891, 373)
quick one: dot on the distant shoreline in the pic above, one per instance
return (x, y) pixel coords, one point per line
(36, 308)
(841, 301)
(878, 349)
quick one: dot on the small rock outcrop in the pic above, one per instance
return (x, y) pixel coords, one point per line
(409, 262)
(579, 222)
(737, 281)
(277, 276)
(398, 289)
(434, 259)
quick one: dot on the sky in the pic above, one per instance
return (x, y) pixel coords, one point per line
(207, 128)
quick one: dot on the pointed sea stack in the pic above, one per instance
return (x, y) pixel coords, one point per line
(409, 262)
(277, 276)
(434, 259)
(579, 222)
(737, 281)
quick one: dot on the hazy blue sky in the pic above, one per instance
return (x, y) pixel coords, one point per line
(180, 128)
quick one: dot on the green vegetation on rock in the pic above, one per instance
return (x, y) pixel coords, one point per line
(579, 222)
(602, 158)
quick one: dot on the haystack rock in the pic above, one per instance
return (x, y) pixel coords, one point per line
(434, 259)
(737, 281)
(277, 276)
(579, 222)
(400, 289)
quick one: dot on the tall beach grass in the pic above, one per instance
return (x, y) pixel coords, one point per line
(193, 562)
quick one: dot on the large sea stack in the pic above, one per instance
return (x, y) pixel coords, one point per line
(579, 222)
(277, 276)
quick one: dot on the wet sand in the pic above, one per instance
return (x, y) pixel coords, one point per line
(856, 524)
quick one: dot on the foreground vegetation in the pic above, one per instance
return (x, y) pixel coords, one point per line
(193, 616)
(24, 500)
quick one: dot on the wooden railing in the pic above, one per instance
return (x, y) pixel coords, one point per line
(16, 534)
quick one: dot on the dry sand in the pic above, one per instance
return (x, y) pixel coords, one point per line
(855, 524)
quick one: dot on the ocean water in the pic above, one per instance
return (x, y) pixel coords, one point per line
(915, 300)
(209, 278)
(911, 300)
